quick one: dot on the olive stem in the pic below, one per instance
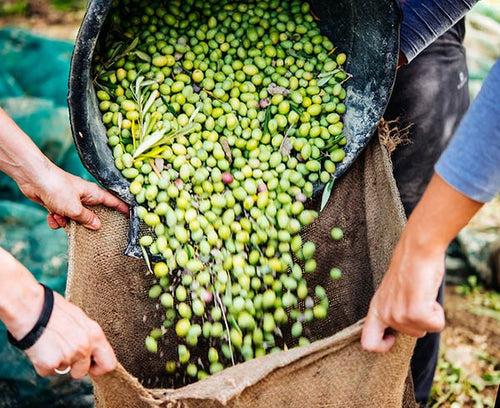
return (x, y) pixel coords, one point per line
(219, 301)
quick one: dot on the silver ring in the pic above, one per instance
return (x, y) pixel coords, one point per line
(62, 372)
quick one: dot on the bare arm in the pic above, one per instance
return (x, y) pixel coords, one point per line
(406, 299)
(70, 338)
(62, 194)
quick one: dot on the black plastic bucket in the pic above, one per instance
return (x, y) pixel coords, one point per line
(367, 31)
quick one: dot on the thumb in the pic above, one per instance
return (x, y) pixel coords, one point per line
(87, 218)
(374, 337)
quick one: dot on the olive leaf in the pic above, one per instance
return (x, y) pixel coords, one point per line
(333, 141)
(267, 118)
(106, 86)
(131, 46)
(105, 74)
(298, 54)
(323, 81)
(227, 149)
(324, 77)
(326, 193)
(158, 138)
(137, 92)
(232, 321)
(285, 147)
(149, 142)
(118, 53)
(140, 83)
(145, 125)
(169, 107)
(150, 101)
(148, 83)
(142, 55)
(146, 259)
(327, 74)
(118, 47)
(296, 108)
(193, 115)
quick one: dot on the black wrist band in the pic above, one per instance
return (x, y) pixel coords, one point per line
(31, 338)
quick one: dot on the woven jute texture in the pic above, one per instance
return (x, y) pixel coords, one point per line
(333, 371)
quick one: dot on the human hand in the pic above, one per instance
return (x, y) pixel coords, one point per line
(70, 339)
(406, 299)
(64, 196)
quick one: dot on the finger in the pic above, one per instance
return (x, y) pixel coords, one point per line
(80, 368)
(413, 330)
(62, 369)
(437, 320)
(104, 359)
(94, 195)
(374, 337)
(44, 371)
(87, 218)
(61, 220)
(52, 222)
(430, 319)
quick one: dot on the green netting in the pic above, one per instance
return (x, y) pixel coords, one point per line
(33, 89)
(34, 66)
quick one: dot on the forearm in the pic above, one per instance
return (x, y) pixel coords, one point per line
(20, 158)
(425, 20)
(406, 298)
(441, 213)
(21, 297)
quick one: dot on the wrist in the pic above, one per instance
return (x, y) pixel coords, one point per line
(35, 174)
(438, 217)
(21, 300)
(422, 238)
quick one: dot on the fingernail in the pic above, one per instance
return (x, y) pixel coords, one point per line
(95, 223)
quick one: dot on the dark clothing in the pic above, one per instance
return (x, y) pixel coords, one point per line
(431, 94)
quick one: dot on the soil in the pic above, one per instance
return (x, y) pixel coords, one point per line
(47, 21)
(483, 331)
(465, 336)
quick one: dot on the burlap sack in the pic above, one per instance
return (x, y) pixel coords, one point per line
(333, 372)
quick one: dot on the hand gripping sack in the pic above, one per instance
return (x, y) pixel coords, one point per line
(333, 372)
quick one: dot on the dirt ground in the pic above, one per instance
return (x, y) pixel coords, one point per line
(470, 353)
(46, 20)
